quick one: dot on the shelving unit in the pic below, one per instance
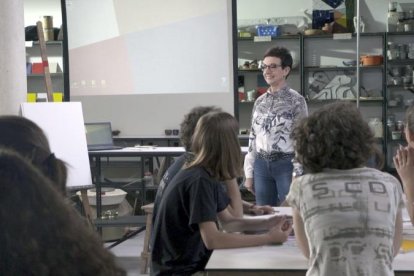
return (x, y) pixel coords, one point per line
(321, 69)
(54, 51)
(399, 94)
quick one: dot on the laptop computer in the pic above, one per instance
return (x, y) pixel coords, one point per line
(99, 136)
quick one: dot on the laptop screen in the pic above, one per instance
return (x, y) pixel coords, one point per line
(98, 134)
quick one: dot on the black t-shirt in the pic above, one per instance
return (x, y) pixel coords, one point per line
(166, 179)
(175, 167)
(190, 198)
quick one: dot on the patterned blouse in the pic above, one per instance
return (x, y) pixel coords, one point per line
(273, 119)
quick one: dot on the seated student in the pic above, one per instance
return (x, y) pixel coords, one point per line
(237, 206)
(404, 162)
(185, 227)
(28, 139)
(40, 233)
(346, 217)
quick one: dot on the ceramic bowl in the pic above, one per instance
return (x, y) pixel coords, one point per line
(392, 103)
(110, 196)
(408, 102)
(349, 62)
(371, 60)
(396, 135)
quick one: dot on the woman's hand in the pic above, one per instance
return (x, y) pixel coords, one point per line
(404, 163)
(248, 183)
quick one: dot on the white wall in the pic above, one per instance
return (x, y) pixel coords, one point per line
(374, 13)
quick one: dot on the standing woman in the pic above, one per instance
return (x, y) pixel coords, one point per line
(404, 162)
(267, 165)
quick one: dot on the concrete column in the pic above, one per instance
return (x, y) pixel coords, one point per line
(13, 82)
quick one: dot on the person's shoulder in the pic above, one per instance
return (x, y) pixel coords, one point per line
(261, 97)
(380, 175)
(194, 172)
(295, 94)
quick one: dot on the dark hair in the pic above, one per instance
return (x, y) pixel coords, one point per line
(335, 136)
(409, 118)
(189, 123)
(28, 139)
(282, 53)
(41, 234)
(216, 147)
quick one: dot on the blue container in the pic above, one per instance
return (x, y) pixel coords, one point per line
(267, 30)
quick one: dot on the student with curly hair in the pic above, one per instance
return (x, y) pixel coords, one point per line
(185, 229)
(404, 162)
(347, 217)
(40, 233)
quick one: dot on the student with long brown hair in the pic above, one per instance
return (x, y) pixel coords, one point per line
(40, 233)
(29, 140)
(185, 228)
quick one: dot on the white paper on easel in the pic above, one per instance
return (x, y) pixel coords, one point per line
(64, 127)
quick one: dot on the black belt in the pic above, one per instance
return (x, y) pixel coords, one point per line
(275, 155)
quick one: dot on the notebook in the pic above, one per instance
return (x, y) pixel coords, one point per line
(99, 136)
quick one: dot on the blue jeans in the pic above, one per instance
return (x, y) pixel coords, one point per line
(272, 180)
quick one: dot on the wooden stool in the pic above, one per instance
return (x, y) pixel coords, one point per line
(146, 254)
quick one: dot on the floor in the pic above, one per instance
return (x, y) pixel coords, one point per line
(128, 254)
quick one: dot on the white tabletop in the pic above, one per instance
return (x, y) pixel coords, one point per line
(268, 257)
(147, 150)
(281, 257)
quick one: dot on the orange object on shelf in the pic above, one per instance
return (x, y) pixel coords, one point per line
(371, 60)
(241, 96)
(37, 68)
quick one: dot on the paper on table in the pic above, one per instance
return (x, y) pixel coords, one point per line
(287, 211)
(283, 211)
(145, 146)
(138, 148)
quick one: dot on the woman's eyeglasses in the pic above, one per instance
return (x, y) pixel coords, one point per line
(272, 66)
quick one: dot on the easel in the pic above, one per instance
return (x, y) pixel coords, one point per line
(48, 84)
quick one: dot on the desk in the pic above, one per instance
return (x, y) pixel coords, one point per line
(142, 152)
(161, 140)
(284, 260)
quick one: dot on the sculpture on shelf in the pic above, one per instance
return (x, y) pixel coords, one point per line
(331, 85)
(361, 24)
